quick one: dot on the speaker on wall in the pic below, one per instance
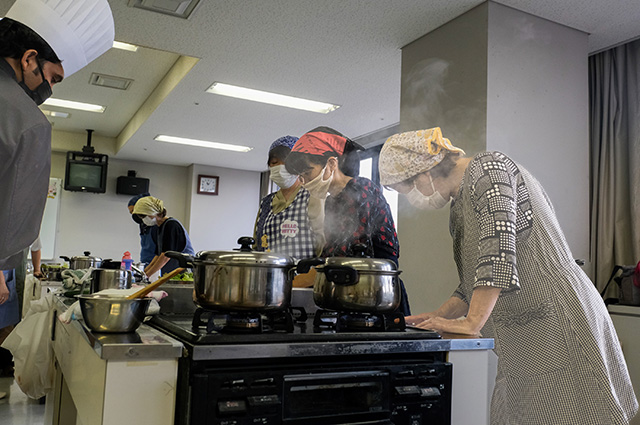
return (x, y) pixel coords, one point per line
(132, 185)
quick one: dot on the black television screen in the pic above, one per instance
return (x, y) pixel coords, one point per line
(86, 172)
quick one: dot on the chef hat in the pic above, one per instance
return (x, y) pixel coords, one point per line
(149, 206)
(405, 155)
(78, 31)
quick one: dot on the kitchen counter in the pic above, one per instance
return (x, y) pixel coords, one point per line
(145, 343)
(111, 379)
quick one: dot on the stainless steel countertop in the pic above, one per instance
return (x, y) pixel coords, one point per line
(144, 344)
(311, 349)
(627, 310)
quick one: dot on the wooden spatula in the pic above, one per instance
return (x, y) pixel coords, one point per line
(150, 287)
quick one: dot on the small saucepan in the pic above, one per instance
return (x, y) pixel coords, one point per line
(83, 261)
(355, 284)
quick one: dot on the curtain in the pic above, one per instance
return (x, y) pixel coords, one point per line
(614, 85)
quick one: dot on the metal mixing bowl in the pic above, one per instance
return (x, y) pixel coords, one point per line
(106, 313)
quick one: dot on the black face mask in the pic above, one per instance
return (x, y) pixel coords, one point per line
(136, 218)
(42, 92)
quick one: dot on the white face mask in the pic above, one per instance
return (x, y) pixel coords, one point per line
(435, 201)
(280, 176)
(319, 188)
(149, 221)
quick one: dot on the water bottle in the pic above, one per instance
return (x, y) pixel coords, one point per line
(127, 261)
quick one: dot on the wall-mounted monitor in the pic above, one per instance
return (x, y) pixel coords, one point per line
(86, 172)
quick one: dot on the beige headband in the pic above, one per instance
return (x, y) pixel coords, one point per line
(148, 206)
(408, 154)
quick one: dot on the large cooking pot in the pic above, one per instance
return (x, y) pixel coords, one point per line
(355, 284)
(83, 261)
(110, 279)
(240, 280)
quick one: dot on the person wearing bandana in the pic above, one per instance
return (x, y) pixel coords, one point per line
(171, 234)
(41, 42)
(356, 211)
(147, 233)
(559, 358)
(289, 220)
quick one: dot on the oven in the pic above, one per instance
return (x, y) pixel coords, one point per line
(307, 374)
(351, 391)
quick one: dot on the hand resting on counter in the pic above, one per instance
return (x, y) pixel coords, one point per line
(455, 316)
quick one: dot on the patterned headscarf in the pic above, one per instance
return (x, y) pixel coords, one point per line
(405, 155)
(286, 141)
(148, 206)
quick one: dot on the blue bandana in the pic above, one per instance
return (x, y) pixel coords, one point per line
(136, 198)
(286, 141)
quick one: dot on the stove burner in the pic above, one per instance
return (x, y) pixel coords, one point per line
(359, 322)
(243, 322)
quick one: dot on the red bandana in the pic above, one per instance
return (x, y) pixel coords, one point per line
(317, 143)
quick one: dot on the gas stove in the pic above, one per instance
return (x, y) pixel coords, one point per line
(205, 327)
(293, 368)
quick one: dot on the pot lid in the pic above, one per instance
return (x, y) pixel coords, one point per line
(363, 264)
(245, 256)
(86, 256)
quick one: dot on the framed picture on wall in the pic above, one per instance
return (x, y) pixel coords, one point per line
(208, 185)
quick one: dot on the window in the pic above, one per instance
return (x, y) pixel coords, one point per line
(369, 169)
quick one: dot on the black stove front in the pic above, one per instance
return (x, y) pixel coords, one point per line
(242, 369)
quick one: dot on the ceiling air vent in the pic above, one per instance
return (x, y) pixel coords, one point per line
(110, 81)
(179, 8)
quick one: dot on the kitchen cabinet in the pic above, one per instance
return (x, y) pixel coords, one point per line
(626, 320)
(111, 379)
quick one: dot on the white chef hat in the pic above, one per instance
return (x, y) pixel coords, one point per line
(78, 31)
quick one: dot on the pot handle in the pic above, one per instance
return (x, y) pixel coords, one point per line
(342, 275)
(305, 265)
(185, 260)
(65, 258)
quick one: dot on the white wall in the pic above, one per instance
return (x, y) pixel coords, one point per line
(537, 110)
(217, 221)
(101, 223)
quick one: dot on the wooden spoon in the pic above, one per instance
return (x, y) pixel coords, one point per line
(150, 287)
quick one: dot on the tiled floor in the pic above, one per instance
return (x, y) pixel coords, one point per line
(18, 409)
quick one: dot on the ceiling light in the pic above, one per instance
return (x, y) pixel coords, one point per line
(74, 105)
(56, 114)
(201, 143)
(271, 98)
(125, 46)
(110, 81)
(179, 8)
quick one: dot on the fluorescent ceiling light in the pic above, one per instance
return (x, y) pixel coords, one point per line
(125, 46)
(55, 113)
(201, 143)
(271, 98)
(70, 104)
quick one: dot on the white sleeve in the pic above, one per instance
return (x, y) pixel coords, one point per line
(36, 245)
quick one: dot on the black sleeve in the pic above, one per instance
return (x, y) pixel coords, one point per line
(173, 238)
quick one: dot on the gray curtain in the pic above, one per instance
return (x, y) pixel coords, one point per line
(614, 85)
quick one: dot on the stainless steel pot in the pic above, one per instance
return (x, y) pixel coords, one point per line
(240, 280)
(83, 261)
(110, 279)
(355, 284)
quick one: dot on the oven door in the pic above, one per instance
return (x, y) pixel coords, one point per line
(337, 398)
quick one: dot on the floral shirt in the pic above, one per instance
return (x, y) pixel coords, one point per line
(360, 214)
